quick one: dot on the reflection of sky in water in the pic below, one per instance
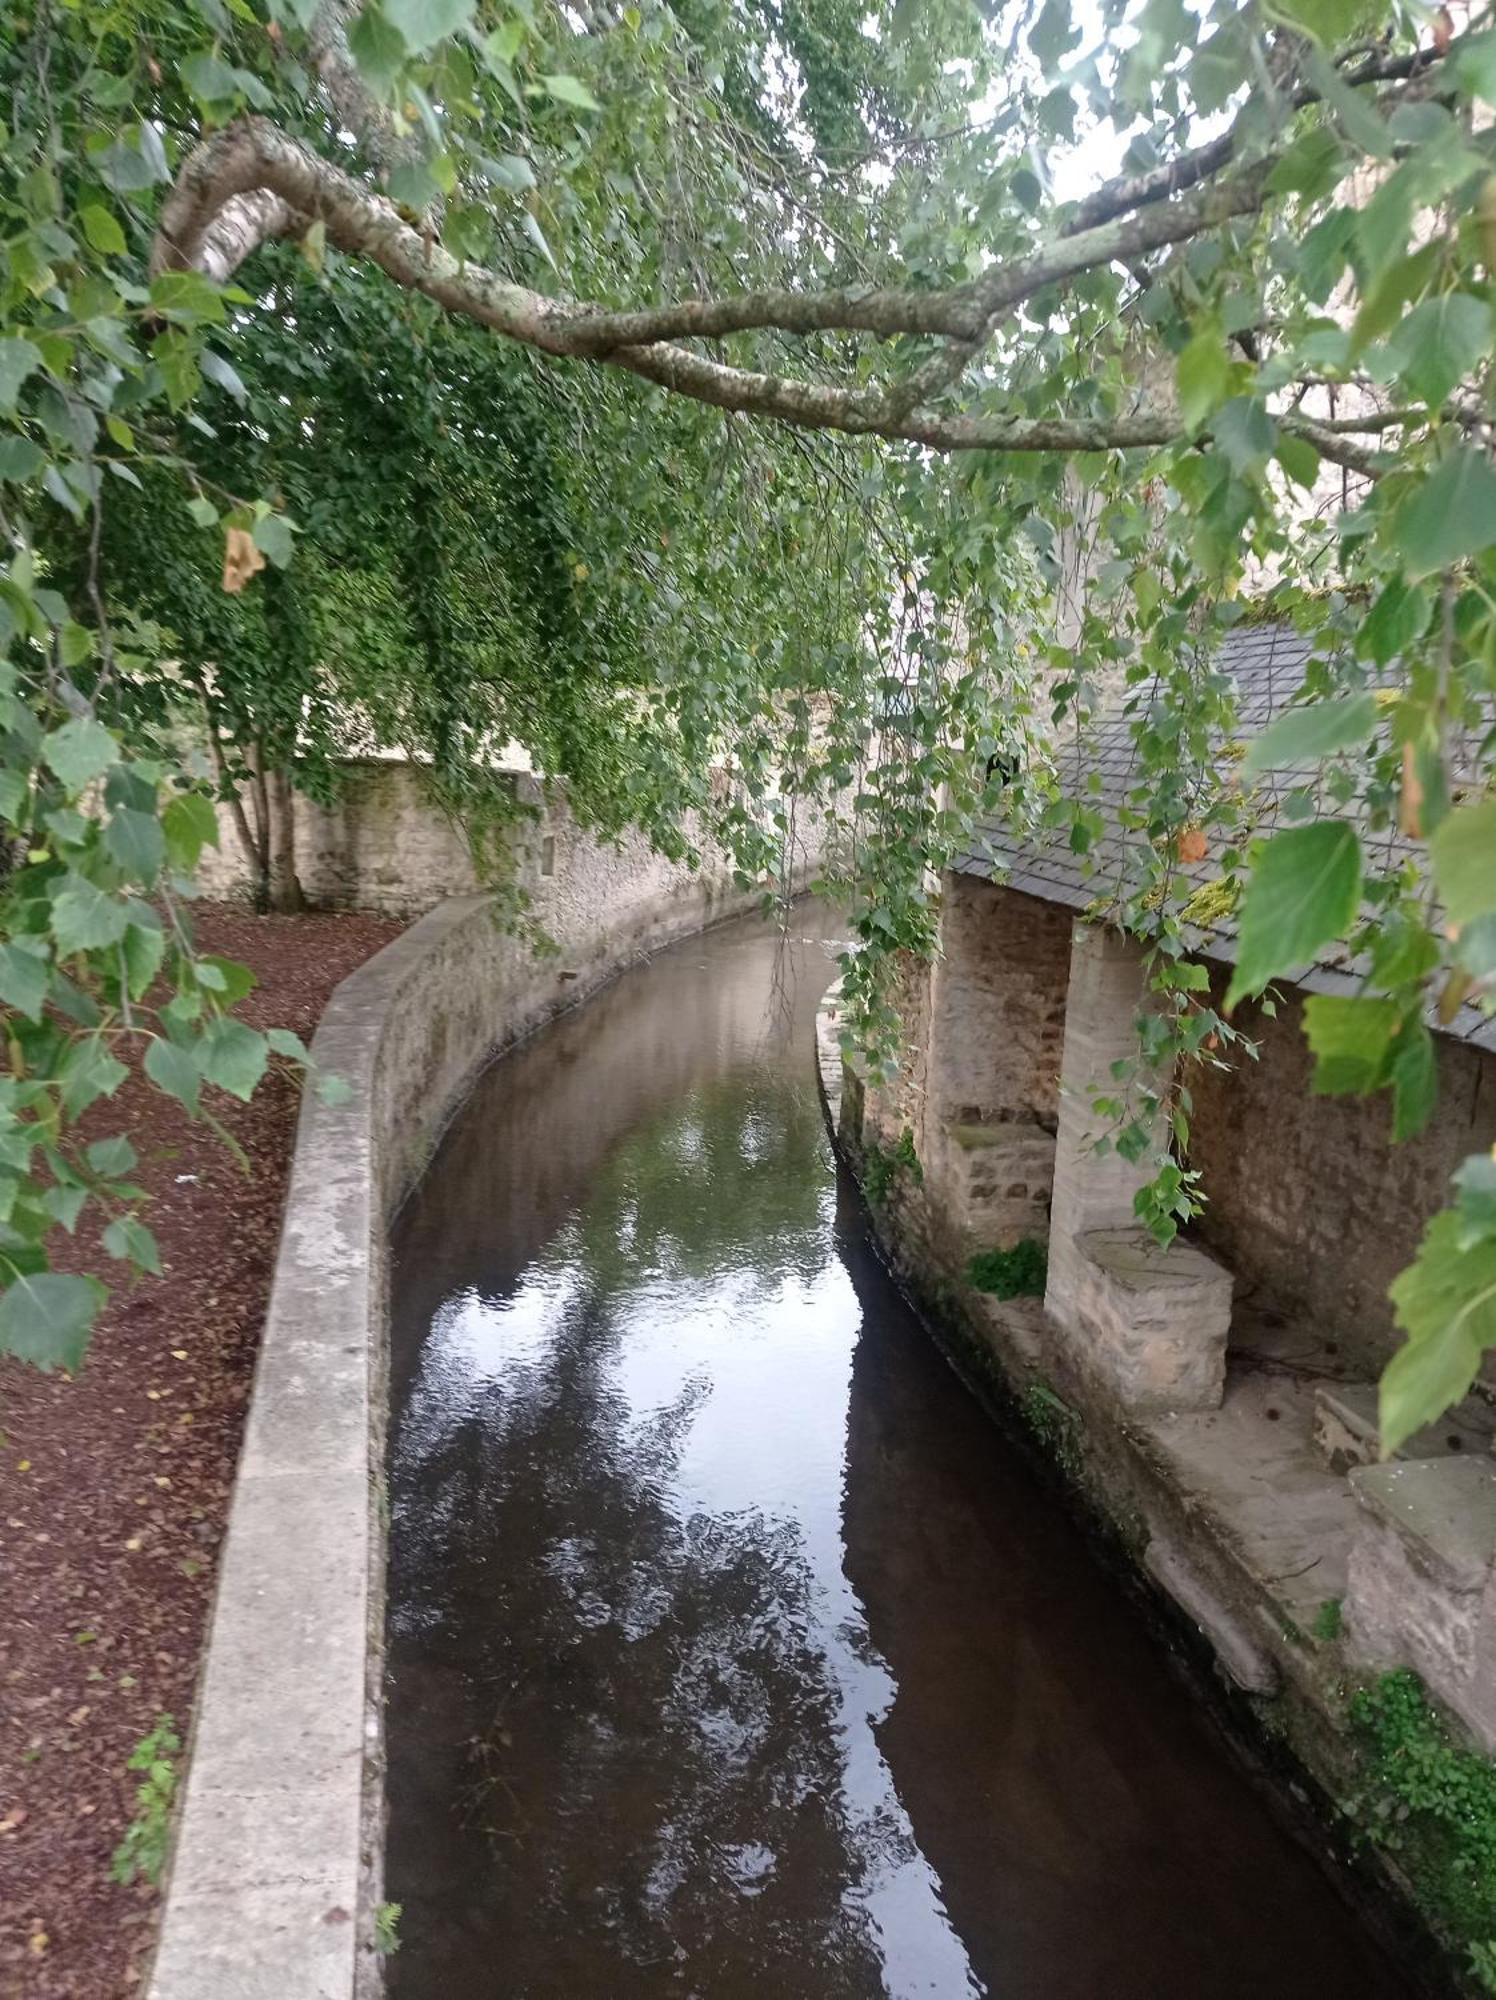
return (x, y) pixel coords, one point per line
(740, 1365)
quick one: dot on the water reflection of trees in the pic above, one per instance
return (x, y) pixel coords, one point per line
(633, 1703)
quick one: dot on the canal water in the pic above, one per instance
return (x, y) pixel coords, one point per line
(732, 1651)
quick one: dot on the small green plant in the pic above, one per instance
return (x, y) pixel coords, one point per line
(142, 1852)
(1329, 1621)
(882, 1167)
(1433, 1803)
(387, 1929)
(1053, 1423)
(1019, 1273)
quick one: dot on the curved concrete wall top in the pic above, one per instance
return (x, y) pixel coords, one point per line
(275, 1876)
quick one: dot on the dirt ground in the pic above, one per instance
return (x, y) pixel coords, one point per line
(114, 1487)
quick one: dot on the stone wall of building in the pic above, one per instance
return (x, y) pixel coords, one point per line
(1310, 1203)
(998, 1006)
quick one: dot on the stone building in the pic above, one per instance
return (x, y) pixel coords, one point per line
(1217, 1399)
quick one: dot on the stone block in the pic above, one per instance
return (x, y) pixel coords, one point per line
(997, 1183)
(1420, 1588)
(1152, 1322)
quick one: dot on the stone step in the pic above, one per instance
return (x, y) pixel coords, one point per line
(1346, 1428)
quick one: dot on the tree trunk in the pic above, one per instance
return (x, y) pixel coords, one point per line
(284, 892)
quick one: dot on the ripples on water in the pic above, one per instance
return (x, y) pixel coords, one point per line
(730, 1651)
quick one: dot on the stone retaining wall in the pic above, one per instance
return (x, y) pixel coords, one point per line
(275, 1877)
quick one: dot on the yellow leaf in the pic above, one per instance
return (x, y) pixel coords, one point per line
(241, 560)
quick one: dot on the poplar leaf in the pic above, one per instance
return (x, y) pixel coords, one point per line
(1311, 733)
(1451, 516)
(47, 1316)
(1446, 1304)
(1463, 852)
(1304, 891)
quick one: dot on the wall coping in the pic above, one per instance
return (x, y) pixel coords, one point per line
(276, 1870)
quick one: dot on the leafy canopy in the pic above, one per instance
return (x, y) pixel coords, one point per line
(449, 316)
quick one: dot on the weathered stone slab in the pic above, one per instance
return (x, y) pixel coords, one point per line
(1238, 1647)
(1420, 1591)
(1153, 1321)
(1347, 1427)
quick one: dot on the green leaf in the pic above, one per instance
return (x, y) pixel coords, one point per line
(173, 1070)
(1463, 852)
(233, 1056)
(18, 359)
(209, 80)
(1309, 734)
(1246, 433)
(1415, 1081)
(1304, 891)
(1446, 1304)
(187, 296)
(1329, 21)
(284, 1043)
(144, 948)
(128, 1239)
(1399, 616)
(88, 1072)
(378, 49)
(137, 843)
(1439, 344)
(226, 977)
(1452, 515)
(79, 752)
(190, 824)
(47, 1316)
(112, 1158)
(102, 231)
(20, 460)
(570, 90)
(65, 1205)
(86, 918)
(424, 23)
(25, 975)
(1298, 459)
(1052, 35)
(272, 536)
(1351, 1040)
(1202, 373)
(228, 378)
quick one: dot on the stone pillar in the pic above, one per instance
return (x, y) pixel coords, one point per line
(1151, 1322)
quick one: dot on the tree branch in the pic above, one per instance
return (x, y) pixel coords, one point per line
(252, 182)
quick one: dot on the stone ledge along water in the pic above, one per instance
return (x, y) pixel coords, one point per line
(731, 1649)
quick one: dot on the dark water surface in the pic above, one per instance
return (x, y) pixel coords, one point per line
(732, 1651)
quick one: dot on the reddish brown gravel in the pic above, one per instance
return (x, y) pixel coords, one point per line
(113, 1488)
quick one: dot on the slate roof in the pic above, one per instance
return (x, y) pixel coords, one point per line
(1268, 664)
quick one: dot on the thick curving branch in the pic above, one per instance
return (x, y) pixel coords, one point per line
(253, 182)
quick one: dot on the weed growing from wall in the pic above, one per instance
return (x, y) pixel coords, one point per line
(1432, 1803)
(884, 1166)
(1019, 1273)
(1329, 1621)
(1055, 1425)
(142, 1852)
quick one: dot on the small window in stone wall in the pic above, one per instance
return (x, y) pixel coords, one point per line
(548, 855)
